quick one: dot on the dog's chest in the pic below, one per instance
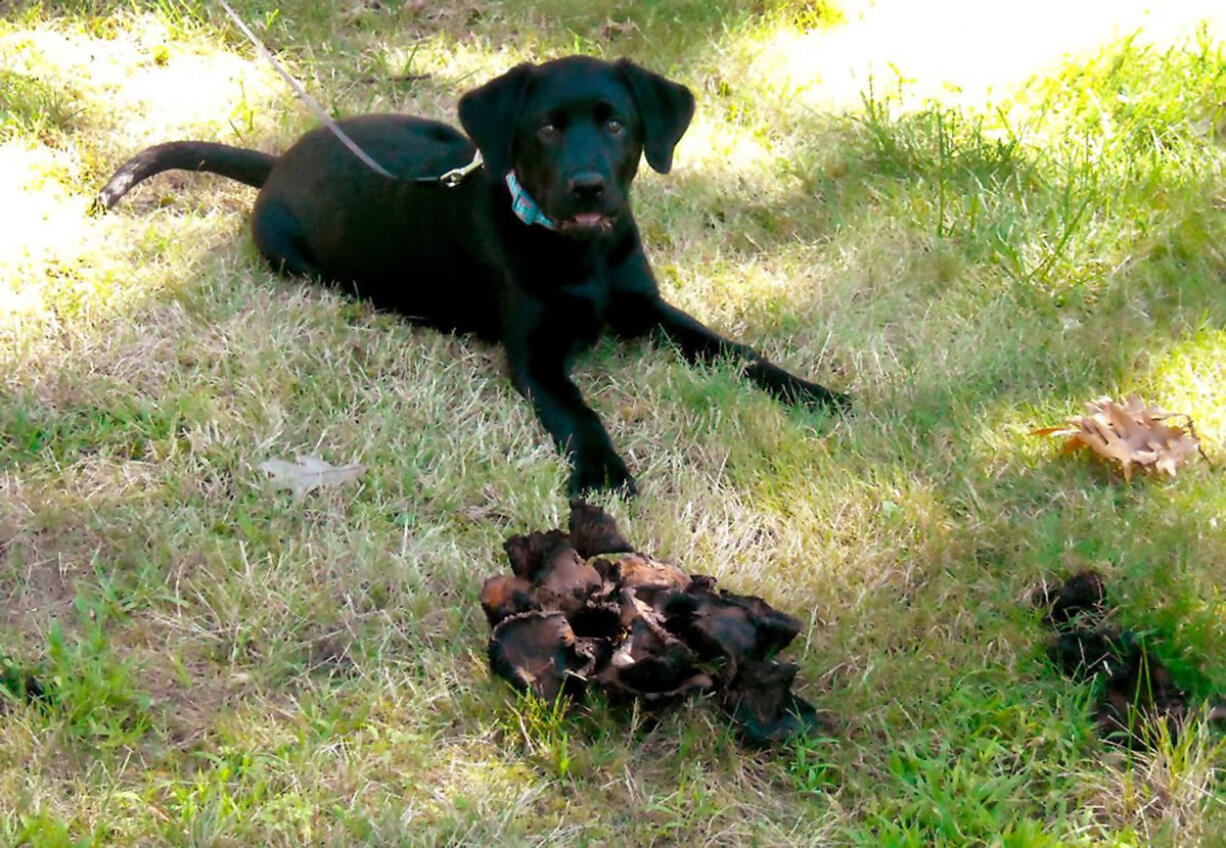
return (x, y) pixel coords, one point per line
(579, 311)
(574, 287)
(565, 288)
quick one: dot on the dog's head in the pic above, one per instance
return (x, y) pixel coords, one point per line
(573, 130)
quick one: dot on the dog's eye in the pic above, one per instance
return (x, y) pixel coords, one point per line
(549, 132)
(614, 126)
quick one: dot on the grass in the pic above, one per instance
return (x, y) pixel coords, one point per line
(234, 667)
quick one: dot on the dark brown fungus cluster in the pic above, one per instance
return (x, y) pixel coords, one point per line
(582, 608)
(1139, 694)
(18, 683)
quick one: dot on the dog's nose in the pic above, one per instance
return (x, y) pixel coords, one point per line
(587, 186)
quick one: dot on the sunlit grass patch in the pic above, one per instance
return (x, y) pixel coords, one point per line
(234, 664)
(32, 107)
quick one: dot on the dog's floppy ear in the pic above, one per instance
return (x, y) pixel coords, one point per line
(488, 114)
(665, 108)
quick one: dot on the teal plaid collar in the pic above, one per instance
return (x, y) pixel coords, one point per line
(524, 206)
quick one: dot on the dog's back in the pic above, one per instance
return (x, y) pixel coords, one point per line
(412, 245)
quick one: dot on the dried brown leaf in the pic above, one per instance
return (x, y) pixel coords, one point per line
(1131, 434)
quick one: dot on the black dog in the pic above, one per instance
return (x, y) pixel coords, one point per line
(538, 249)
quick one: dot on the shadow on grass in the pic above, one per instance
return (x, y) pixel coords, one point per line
(1031, 277)
(1081, 254)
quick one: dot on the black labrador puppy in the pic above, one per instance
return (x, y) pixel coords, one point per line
(537, 249)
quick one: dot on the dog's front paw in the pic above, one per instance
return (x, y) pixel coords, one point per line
(791, 389)
(608, 472)
(817, 396)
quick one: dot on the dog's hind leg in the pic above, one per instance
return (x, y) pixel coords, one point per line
(278, 235)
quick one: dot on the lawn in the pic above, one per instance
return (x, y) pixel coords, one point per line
(970, 256)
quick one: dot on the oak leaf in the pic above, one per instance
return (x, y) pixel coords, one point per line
(1131, 434)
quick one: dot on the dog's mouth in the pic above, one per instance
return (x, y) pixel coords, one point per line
(587, 223)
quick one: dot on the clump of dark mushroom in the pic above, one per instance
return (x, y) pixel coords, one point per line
(1140, 698)
(18, 683)
(582, 608)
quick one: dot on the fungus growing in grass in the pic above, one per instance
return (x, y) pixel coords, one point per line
(537, 651)
(766, 710)
(583, 608)
(19, 683)
(1140, 696)
(593, 531)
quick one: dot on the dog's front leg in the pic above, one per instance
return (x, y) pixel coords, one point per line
(699, 344)
(576, 429)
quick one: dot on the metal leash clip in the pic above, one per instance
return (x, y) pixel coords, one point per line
(455, 176)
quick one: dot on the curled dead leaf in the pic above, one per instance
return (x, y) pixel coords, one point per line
(1131, 434)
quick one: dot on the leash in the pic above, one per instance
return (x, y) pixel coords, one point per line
(306, 98)
(450, 179)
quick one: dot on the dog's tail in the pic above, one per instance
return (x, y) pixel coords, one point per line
(247, 166)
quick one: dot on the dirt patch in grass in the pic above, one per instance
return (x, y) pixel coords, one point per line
(38, 572)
